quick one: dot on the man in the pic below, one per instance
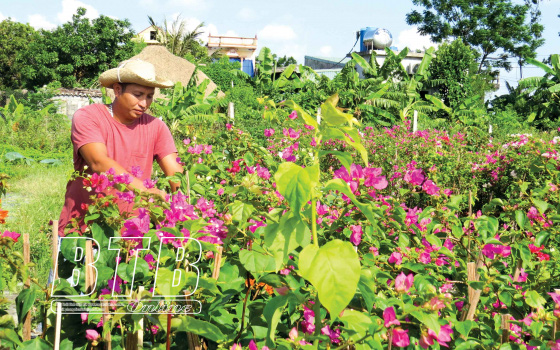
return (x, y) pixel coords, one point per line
(120, 136)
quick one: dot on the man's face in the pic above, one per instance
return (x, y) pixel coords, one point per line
(131, 102)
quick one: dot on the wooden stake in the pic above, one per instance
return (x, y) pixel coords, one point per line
(57, 326)
(505, 328)
(557, 322)
(471, 276)
(470, 202)
(55, 248)
(106, 320)
(27, 322)
(473, 305)
(415, 122)
(231, 111)
(319, 115)
(90, 281)
(135, 341)
(217, 263)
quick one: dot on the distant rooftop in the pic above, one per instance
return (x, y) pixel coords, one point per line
(332, 60)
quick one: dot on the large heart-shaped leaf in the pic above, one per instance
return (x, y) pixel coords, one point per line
(334, 270)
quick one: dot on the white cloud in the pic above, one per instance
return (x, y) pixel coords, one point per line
(40, 22)
(231, 33)
(247, 14)
(191, 4)
(326, 50)
(2, 17)
(413, 40)
(275, 32)
(69, 8)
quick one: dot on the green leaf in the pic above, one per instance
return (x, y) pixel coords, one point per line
(257, 262)
(345, 158)
(24, 303)
(334, 270)
(201, 328)
(464, 327)
(9, 335)
(428, 319)
(521, 219)
(334, 116)
(296, 183)
(249, 158)
(341, 186)
(36, 344)
(241, 212)
(165, 282)
(357, 322)
(307, 119)
(541, 205)
(272, 313)
(542, 238)
(534, 299)
(367, 288)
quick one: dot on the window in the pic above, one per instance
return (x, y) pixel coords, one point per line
(153, 35)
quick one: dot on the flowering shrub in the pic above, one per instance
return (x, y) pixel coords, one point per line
(334, 236)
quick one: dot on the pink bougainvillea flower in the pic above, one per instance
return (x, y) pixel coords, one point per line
(425, 258)
(12, 235)
(390, 318)
(522, 276)
(400, 337)
(356, 236)
(403, 282)
(136, 171)
(229, 126)
(149, 183)
(92, 335)
(334, 335)
(268, 132)
(373, 178)
(395, 258)
(308, 323)
(442, 338)
(84, 317)
(263, 172)
(252, 345)
(430, 188)
(293, 115)
(220, 191)
(447, 192)
(236, 346)
(415, 177)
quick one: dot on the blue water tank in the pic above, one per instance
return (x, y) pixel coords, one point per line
(365, 33)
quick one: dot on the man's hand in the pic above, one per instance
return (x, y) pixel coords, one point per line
(170, 166)
(157, 192)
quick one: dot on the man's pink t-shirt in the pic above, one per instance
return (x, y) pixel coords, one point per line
(137, 144)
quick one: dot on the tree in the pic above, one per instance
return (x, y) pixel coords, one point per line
(180, 41)
(75, 53)
(285, 61)
(455, 64)
(14, 38)
(492, 27)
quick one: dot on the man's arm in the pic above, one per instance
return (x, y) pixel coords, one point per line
(170, 166)
(95, 155)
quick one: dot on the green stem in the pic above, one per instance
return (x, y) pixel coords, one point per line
(318, 323)
(314, 221)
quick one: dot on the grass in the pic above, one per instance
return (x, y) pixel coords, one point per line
(35, 196)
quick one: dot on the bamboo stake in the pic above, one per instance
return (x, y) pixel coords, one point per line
(27, 321)
(231, 111)
(57, 326)
(471, 276)
(106, 320)
(505, 328)
(557, 322)
(55, 248)
(473, 305)
(217, 263)
(90, 282)
(470, 202)
(415, 122)
(135, 340)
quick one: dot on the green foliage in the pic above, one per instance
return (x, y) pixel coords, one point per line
(488, 26)
(14, 38)
(454, 64)
(225, 73)
(75, 53)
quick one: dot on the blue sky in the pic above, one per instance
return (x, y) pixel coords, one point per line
(290, 27)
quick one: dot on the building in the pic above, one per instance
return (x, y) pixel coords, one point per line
(372, 40)
(149, 35)
(238, 49)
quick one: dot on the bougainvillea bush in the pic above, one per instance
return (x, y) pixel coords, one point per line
(331, 235)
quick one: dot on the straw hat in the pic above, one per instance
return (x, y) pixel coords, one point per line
(135, 72)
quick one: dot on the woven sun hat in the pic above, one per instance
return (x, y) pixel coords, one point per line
(134, 72)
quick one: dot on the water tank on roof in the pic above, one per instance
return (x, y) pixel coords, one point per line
(378, 38)
(365, 32)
